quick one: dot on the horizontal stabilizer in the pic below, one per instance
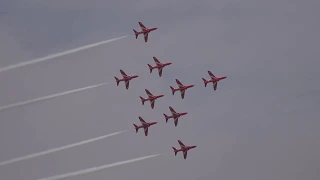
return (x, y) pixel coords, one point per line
(136, 33)
(172, 89)
(166, 117)
(175, 151)
(205, 82)
(136, 127)
(142, 100)
(117, 81)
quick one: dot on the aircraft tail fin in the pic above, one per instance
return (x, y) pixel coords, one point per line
(136, 128)
(205, 82)
(173, 90)
(150, 67)
(167, 118)
(142, 100)
(136, 33)
(117, 81)
(175, 151)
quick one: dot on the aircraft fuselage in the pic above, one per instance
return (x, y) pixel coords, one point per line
(128, 78)
(185, 87)
(154, 97)
(217, 79)
(147, 30)
(147, 125)
(178, 115)
(187, 148)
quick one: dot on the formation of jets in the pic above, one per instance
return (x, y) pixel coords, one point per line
(152, 98)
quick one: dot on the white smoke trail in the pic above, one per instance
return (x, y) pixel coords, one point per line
(95, 169)
(58, 54)
(57, 149)
(49, 97)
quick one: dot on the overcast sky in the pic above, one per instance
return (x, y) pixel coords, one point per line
(261, 123)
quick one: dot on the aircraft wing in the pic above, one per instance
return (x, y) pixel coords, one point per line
(142, 26)
(211, 75)
(215, 85)
(127, 84)
(176, 121)
(146, 131)
(185, 154)
(181, 144)
(148, 93)
(146, 37)
(142, 121)
(123, 73)
(172, 110)
(160, 71)
(182, 93)
(152, 103)
(179, 83)
(156, 60)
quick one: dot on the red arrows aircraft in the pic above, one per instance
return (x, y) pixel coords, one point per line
(182, 88)
(159, 66)
(184, 149)
(175, 115)
(145, 31)
(144, 125)
(126, 78)
(213, 79)
(152, 98)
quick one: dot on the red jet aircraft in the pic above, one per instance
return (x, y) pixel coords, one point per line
(126, 78)
(145, 31)
(158, 65)
(144, 125)
(184, 149)
(213, 79)
(150, 98)
(181, 88)
(175, 115)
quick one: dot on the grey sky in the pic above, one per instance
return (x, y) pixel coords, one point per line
(262, 122)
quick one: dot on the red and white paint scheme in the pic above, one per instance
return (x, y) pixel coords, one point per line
(213, 79)
(145, 31)
(145, 125)
(126, 78)
(174, 115)
(183, 148)
(152, 98)
(158, 65)
(182, 88)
